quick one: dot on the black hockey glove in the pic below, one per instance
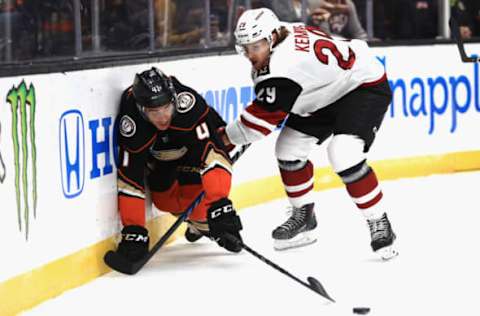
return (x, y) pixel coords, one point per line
(134, 243)
(223, 219)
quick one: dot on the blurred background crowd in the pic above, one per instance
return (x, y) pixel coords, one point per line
(36, 30)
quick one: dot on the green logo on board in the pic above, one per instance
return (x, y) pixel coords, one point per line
(22, 103)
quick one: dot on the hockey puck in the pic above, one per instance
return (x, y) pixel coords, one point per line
(361, 310)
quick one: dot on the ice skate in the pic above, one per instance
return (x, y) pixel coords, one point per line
(192, 234)
(297, 231)
(383, 237)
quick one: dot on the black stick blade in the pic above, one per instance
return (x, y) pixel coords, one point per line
(119, 263)
(316, 286)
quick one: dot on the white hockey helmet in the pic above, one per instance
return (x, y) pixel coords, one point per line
(254, 25)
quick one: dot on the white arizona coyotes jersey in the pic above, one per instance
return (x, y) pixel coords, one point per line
(307, 71)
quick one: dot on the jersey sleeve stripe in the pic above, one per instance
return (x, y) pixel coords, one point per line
(272, 118)
(257, 120)
(258, 128)
(240, 134)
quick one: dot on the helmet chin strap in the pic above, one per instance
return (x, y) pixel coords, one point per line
(174, 92)
(141, 109)
(270, 41)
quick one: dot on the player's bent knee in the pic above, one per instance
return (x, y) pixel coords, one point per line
(355, 173)
(166, 201)
(291, 149)
(345, 151)
(282, 153)
(286, 154)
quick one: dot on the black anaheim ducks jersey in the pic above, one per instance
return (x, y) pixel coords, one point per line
(190, 141)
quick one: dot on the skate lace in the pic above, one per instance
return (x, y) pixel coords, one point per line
(379, 228)
(297, 218)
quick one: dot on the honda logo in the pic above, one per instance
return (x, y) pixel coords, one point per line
(72, 153)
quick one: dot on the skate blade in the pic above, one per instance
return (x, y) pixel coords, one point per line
(387, 253)
(302, 239)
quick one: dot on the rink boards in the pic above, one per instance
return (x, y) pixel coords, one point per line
(58, 154)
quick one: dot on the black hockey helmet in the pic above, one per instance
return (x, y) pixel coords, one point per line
(152, 88)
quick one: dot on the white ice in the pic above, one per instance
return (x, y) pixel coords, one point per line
(436, 219)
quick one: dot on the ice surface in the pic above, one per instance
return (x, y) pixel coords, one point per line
(437, 221)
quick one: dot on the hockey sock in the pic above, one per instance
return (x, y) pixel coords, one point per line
(298, 183)
(366, 194)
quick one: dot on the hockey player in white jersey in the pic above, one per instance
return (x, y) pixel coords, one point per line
(322, 86)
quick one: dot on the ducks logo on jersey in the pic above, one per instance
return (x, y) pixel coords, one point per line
(127, 126)
(185, 102)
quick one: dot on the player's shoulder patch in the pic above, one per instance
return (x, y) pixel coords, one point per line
(127, 126)
(185, 101)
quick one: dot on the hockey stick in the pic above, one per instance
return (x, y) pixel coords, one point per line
(121, 264)
(313, 284)
(455, 29)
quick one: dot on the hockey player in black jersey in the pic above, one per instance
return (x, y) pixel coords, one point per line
(322, 87)
(168, 143)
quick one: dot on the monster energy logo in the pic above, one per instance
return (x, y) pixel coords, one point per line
(22, 102)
